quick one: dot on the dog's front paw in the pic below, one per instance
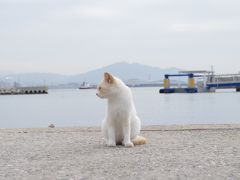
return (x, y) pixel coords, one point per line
(128, 144)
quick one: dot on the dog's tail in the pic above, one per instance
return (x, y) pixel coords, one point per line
(139, 140)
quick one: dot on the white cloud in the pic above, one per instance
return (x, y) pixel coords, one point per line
(22, 1)
(202, 27)
(79, 11)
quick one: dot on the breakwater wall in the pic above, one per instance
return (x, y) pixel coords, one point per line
(24, 90)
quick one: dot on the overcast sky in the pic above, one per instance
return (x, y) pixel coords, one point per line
(75, 36)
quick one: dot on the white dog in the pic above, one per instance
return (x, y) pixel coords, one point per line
(121, 125)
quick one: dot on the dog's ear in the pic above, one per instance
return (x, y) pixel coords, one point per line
(108, 78)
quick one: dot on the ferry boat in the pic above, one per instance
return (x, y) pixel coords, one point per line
(86, 85)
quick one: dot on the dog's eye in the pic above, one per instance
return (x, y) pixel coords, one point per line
(99, 88)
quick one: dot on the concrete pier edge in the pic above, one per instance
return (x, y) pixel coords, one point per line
(187, 127)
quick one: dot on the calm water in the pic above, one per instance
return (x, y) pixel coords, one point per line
(83, 108)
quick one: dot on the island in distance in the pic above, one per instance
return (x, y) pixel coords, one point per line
(134, 74)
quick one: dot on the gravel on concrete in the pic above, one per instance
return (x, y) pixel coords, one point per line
(173, 152)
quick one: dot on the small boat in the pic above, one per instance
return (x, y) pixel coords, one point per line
(86, 85)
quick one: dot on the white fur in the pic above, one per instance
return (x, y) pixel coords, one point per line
(121, 124)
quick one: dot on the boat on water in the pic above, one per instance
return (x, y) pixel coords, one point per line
(86, 85)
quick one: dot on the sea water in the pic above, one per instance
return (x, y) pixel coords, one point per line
(69, 108)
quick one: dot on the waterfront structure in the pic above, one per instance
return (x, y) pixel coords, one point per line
(24, 90)
(209, 82)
